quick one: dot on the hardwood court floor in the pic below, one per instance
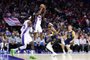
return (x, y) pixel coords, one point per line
(58, 57)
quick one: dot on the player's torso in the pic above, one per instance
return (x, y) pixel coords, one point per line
(25, 28)
(38, 19)
(70, 35)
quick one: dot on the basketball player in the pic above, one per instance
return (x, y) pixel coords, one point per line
(26, 31)
(51, 34)
(70, 36)
(37, 23)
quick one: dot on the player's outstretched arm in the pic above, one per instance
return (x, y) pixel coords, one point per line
(42, 8)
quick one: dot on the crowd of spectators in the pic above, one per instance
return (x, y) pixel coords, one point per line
(59, 12)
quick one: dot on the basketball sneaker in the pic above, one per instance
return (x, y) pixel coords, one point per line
(12, 52)
(32, 57)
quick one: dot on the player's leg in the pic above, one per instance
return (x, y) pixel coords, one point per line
(50, 48)
(2, 45)
(32, 47)
(40, 32)
(68, 48)
(62, 44)
(32, 50)
(24, 45)
(67, 44)
(36, 32)
(63, 48)
(49, 45)
(13, 51)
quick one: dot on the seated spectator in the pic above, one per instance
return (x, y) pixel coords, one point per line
(12, 41)
(40, 44)
(7, 32)
(88, 38)
(4, 42)
(18, 39)
(83, 44)
(76, 45)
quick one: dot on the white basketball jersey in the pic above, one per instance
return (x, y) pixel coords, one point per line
(38, 20)
(26, 28)
(25, 33)
(25, 25)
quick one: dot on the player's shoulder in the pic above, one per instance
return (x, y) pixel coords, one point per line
(39, 16)
(26, 21)
(73, 31)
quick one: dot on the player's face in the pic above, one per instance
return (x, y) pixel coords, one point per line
(69, 27)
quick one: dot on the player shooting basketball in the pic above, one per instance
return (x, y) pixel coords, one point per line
(38, 19)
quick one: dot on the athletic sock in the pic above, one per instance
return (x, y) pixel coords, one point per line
(32, 52)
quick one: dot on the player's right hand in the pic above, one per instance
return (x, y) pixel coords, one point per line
(42, 6)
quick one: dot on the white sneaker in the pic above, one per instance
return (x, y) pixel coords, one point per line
(18, 51)
(25, 51)
(54, 54)
(64, 52)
